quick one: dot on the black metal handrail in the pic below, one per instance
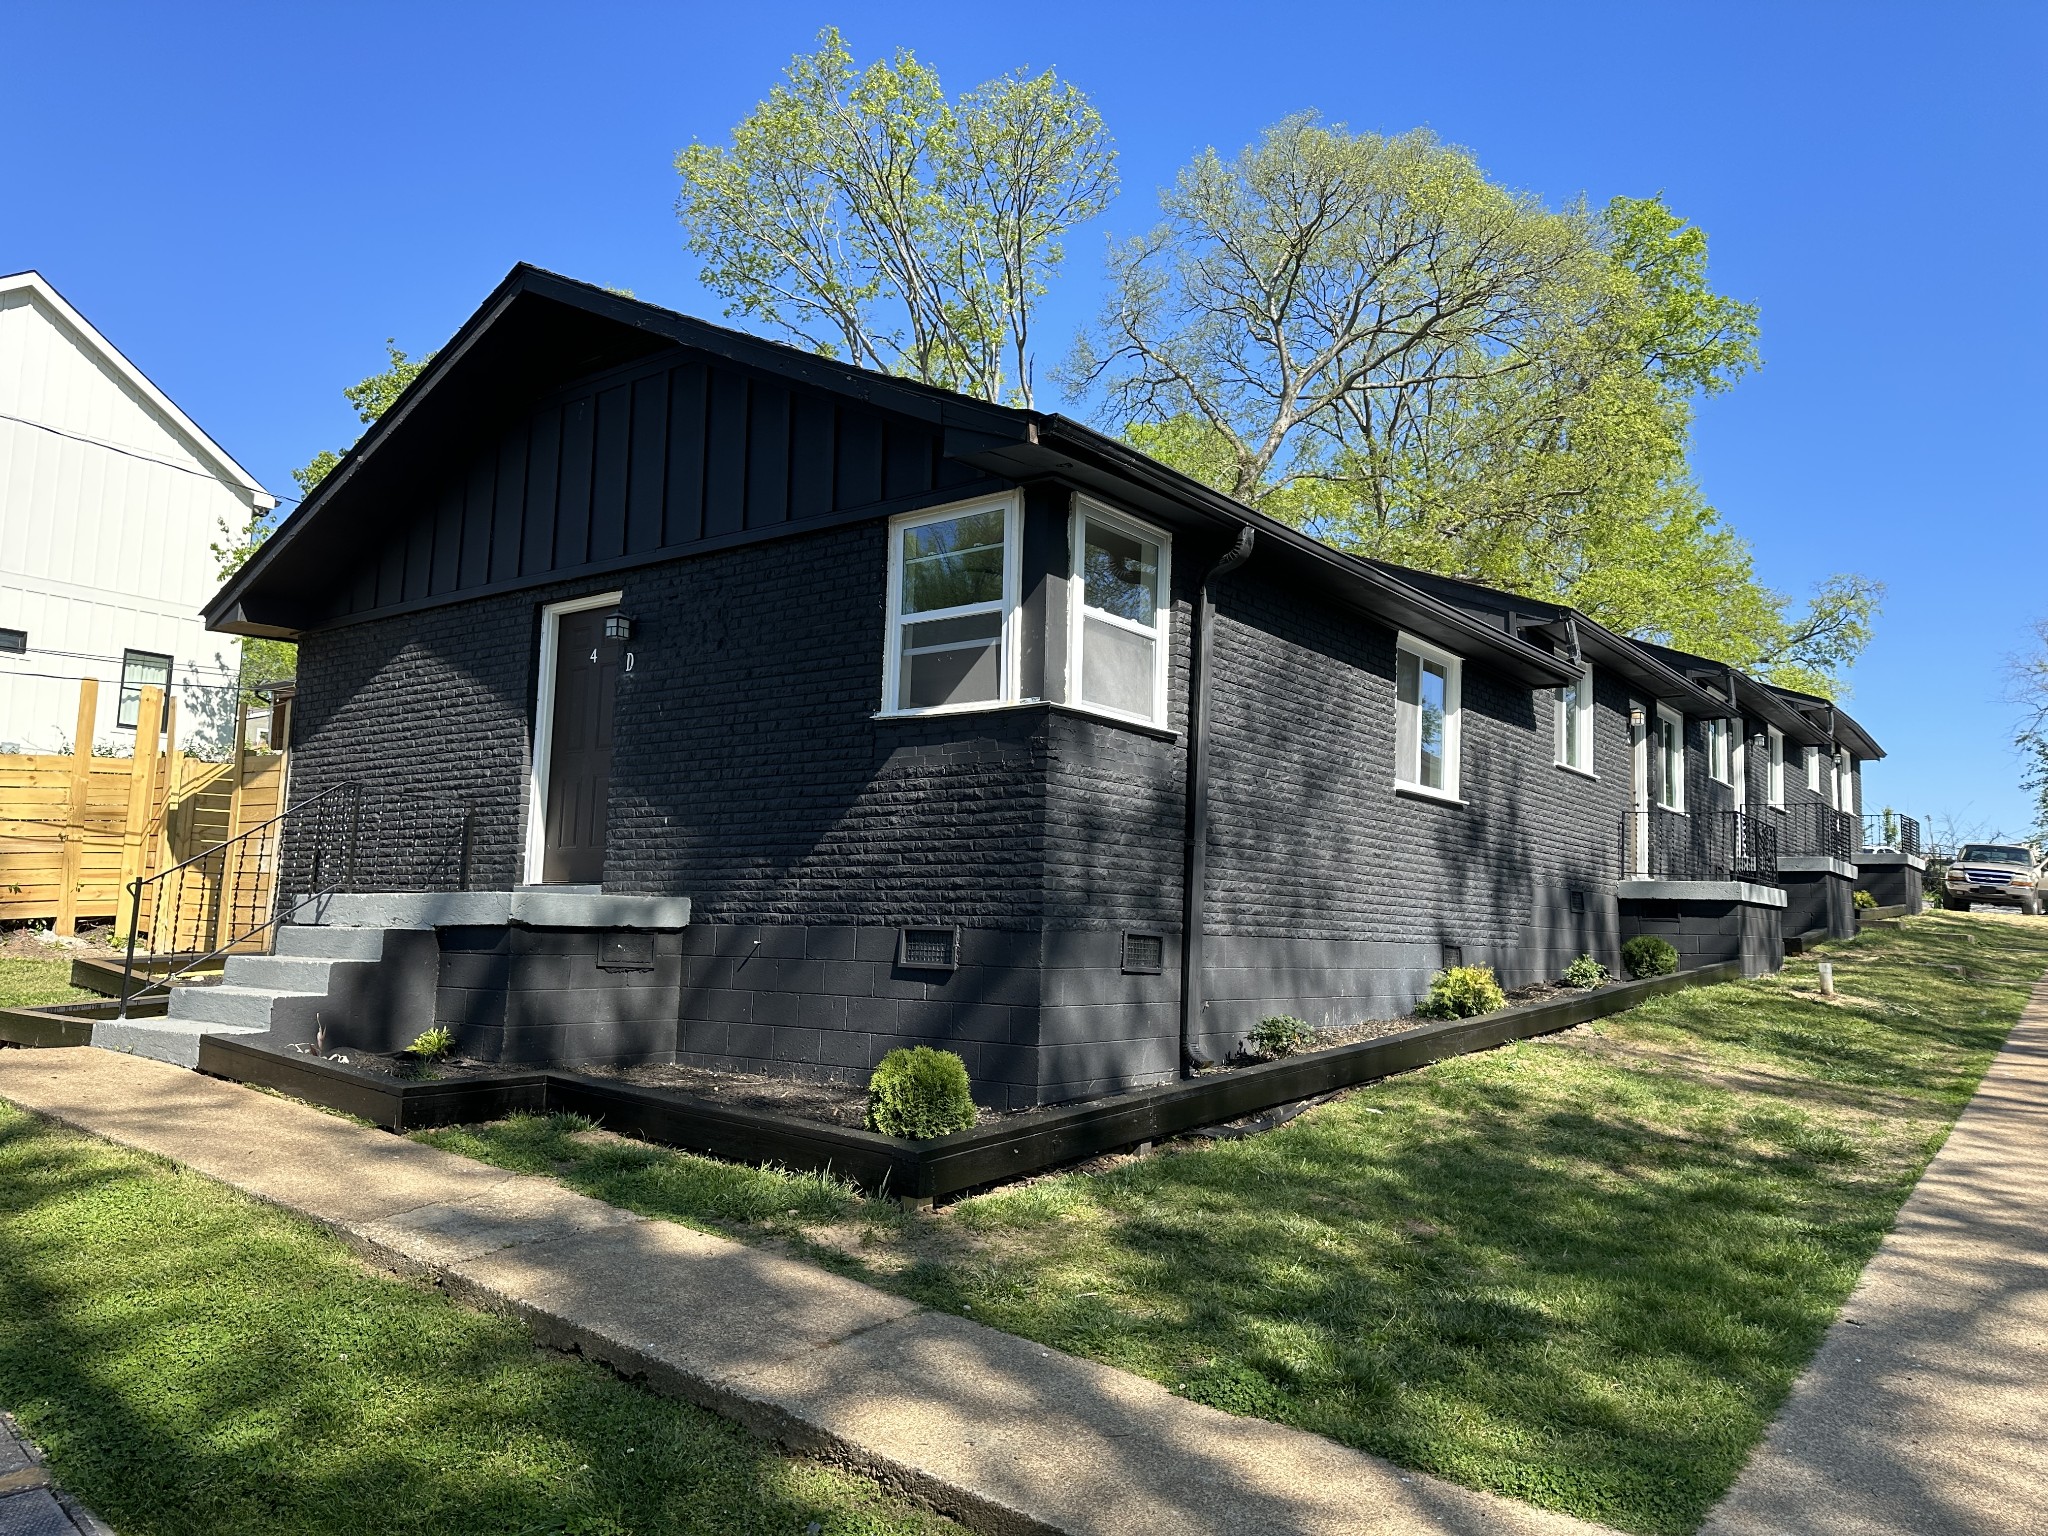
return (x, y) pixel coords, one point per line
(1891, 831)
(247, 885)
(1660, 844)
(1813, 830)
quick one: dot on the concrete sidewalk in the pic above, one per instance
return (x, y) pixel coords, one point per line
(1926, 1411)
(1001, 1433)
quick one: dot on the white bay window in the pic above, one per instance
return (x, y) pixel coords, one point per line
(952, 603)
(1119, 606)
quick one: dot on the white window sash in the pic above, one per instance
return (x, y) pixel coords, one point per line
(1079, 613)
(1408, 733)
(1009, 663)
(1670, 762)
(1774, 778)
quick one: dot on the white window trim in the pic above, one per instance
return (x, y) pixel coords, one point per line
(1774, 773)
(1721, 730)
(1160, 631)
(1813, 774)
(1454, 720)
(1738, 764)
(1579, 720)
(1845, 782)
(1011, 663)
(1666, 782)
(544, 726)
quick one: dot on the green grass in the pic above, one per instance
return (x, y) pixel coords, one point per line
(34, 983)
(199, 1365)
(1581, 1271)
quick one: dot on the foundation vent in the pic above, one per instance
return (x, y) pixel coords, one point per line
(928, 949)
(1144, 954)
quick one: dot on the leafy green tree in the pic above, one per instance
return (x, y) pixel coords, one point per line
(871, 218)
(265, 661)
(1368, 338)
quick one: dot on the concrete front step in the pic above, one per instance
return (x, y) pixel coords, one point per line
(330, 943)
(278, 973)
(173, 1040)
(248, 1007)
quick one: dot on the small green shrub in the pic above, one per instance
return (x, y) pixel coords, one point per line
(433, 1044)
(1585, 972)
(1865, 902)
(1281, 1034)
(1648, 955)
(920, 1093)
(1462, 992)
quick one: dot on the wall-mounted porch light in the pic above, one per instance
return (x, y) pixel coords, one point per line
(618, 627)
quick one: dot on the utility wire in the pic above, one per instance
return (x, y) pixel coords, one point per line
(133, 453)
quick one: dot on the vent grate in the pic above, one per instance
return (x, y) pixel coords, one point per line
(1144, 954)
(928, 949)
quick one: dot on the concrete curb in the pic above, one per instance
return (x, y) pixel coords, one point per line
(1007, 1436)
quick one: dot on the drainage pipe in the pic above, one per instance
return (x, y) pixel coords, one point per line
(1195, 872)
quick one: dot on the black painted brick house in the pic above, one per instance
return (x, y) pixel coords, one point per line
(1009, 877)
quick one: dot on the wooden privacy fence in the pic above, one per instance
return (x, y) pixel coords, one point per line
(76, 830)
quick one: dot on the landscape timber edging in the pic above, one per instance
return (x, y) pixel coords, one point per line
(1007, 1149)
(67, 1024)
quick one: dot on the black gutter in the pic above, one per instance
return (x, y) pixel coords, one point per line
(1195, 869)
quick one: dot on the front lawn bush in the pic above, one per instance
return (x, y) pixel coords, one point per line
(1648, 955)
(1865, 902)
(1462, 992)
(1281, 1034)
(1585, 972)
(920, 1093)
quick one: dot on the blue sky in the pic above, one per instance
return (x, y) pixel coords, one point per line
(247, 200)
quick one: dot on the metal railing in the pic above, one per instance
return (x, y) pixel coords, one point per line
(1816, 831)
(1892, 832)
(1705, 845)
(193, 913)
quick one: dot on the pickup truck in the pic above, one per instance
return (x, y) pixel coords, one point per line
(1996, 874)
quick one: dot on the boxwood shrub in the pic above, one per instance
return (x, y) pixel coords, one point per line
(1648, 955)
(1462, 992)
(920, 1093)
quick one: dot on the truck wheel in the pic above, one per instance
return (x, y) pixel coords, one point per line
(1955, 903)
(2030, 906)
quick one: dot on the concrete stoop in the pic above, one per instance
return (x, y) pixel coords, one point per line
(245, 1000)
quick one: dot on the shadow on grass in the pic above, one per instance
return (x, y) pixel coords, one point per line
(196, 1364)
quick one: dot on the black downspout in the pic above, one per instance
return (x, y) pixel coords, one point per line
(1195, 872)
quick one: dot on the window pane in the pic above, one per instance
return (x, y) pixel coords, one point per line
(139, 670)
(1430, 736)
(1116, 668)
(952, 661)
(1407, 710)
(1120, 573)
(953, 563)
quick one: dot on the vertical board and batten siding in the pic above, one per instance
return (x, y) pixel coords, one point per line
(107, 518)
(672, 454)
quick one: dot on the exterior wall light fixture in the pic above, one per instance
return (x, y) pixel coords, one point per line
(618, 627)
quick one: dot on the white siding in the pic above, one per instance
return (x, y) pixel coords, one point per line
(107, 513)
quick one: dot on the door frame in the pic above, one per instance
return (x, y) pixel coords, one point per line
(544, 726)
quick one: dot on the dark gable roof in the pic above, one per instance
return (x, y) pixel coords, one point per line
(539, 331)
(1802, 717)
(1628, 659)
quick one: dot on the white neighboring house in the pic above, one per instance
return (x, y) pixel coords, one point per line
(110, 501)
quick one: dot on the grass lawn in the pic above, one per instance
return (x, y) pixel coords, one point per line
(1582, 1271)
(36, 983)
(199, 1365)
